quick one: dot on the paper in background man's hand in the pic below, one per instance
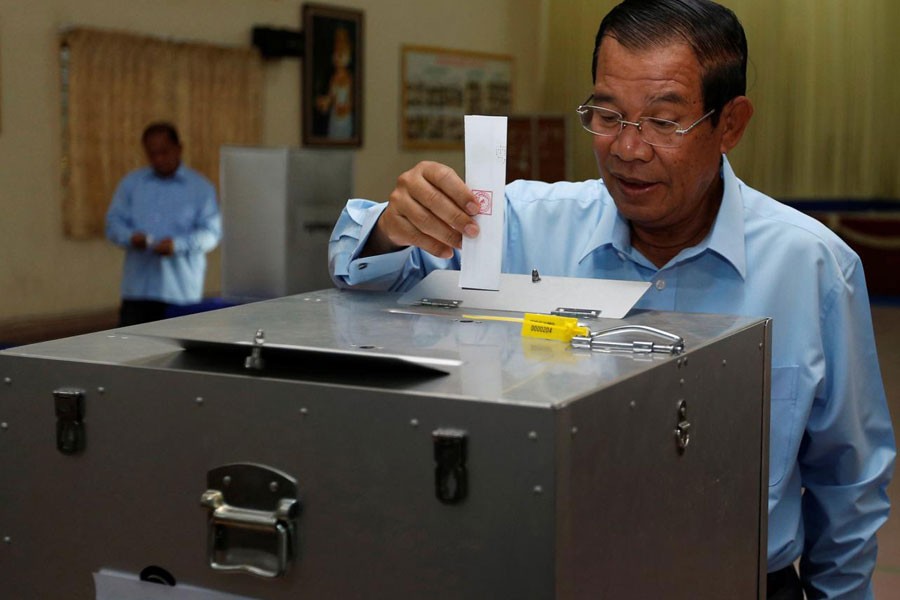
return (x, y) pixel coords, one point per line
(486, 177)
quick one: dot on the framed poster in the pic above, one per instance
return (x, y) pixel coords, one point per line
(332, 76)
(440, 87)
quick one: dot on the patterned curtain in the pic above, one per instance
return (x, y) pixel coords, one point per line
(820, 78)
(826, 104)
(114, 84)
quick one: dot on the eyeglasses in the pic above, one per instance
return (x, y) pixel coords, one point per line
(656, 132)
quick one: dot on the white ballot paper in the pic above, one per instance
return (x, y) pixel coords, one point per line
(486, 177)
(115, 585)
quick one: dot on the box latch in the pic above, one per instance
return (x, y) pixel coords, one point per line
(252, 527)
(451, 480)
(683, 428)
(70, 435)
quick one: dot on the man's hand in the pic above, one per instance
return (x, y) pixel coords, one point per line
(430, 208)
(139, 240)
(165, 247)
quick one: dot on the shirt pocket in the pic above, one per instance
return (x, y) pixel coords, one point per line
(783, 422)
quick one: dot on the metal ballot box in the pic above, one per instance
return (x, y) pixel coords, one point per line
(338, 445)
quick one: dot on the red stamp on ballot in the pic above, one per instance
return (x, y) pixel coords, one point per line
(484, 198)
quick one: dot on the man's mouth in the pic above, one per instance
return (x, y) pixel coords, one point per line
(633, 185)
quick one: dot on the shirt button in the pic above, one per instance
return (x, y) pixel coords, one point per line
(660, 284)
(362, 266)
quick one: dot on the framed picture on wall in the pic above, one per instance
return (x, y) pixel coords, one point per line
(441, 86)
(332, 76)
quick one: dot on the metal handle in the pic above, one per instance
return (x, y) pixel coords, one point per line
(597, 341)
(252, 521)
(224, 516)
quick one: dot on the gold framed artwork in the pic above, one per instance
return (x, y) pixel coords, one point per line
(332, 76)
(441, 86)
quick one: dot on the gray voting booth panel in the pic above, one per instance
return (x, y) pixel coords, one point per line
(279, 206)
(571, 484)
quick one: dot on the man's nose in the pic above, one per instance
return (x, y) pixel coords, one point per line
(629, 145)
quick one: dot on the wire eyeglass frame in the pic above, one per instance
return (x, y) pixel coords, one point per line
(669, 137)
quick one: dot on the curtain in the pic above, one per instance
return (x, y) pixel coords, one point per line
(115, 84)
(820, 77)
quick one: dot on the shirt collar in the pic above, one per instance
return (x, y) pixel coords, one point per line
(727, 236)
(725, 239)
(178, 175)
(612, 230)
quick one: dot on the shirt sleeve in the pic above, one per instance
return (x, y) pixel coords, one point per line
(119, 225)
(394, 271)
(847, 454)
(207, 227)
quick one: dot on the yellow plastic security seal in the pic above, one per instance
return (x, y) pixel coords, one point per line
(548, 327)
(552, 327)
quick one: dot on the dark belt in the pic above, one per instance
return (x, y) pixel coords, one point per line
(784, 584)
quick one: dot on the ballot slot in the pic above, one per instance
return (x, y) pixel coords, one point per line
(364, 364)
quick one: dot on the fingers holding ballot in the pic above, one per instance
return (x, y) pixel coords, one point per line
(431, 208)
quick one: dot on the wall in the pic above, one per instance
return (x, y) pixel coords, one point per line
(43, 273)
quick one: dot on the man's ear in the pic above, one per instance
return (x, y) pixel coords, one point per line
(734, 119)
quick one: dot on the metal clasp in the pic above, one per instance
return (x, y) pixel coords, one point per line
(599, 341)
(451, 478)
(252, 519)
(69, 406)
(683, 428)
(255, 360)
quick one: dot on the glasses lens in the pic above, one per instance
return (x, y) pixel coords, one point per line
(606, 122)
(600, 121)
(659, 132)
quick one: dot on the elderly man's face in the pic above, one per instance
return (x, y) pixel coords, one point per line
(163, 154)
(657, 188)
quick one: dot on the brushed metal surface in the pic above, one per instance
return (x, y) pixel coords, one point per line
(576, 488)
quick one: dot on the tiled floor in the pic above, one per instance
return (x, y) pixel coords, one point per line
(887, 333)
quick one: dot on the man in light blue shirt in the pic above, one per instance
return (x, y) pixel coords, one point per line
(667, 105)
(166, 217)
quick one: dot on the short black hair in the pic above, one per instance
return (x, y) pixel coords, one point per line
(161, 127)
(711, 30)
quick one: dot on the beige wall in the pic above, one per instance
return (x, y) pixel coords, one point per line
(43, 273)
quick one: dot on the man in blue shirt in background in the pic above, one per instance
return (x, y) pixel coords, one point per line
(668, 103)
(166, 217)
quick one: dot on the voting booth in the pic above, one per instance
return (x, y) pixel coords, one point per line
(365, 445)
(279, 206)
